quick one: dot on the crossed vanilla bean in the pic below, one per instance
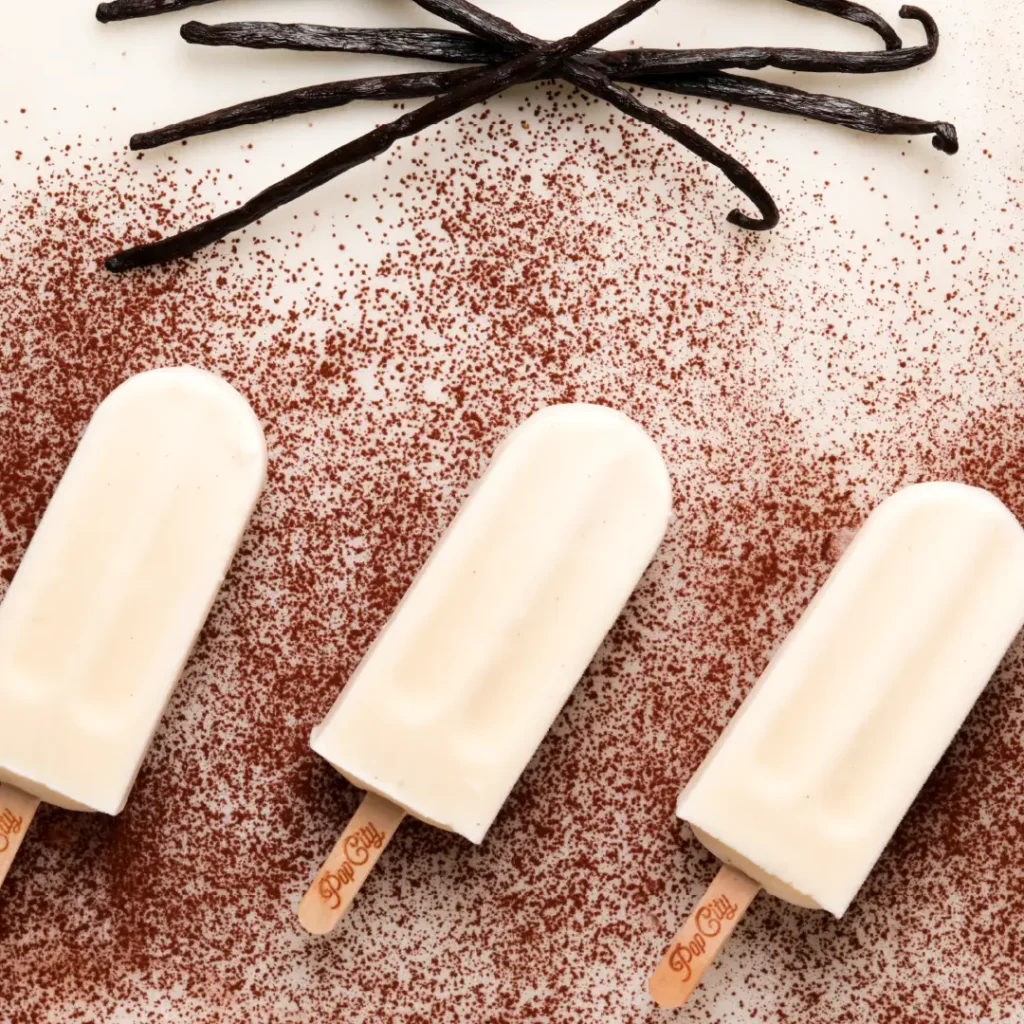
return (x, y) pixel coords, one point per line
(500, 55)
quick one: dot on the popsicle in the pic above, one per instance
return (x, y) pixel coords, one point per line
(115, 587)
(810, 780)
(454, 698)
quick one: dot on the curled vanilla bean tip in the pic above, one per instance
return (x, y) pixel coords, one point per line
(768, 220)
(931, 28)
(849, 11)
(103, 13)
(911, 12)
(945, 139)
(928, 23)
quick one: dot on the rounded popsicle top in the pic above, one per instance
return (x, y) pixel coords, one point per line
(590, 419)
(939, 498)
(172, 390)
(578, 425)
(118, 581)
(560, 438)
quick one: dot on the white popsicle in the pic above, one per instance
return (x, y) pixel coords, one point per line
(117, 584)
(806, 786)
(454, 698)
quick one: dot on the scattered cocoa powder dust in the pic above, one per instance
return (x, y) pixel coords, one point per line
(534, 263)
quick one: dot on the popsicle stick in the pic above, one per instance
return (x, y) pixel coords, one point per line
(701, 939)
(17, 809)
(353, 858)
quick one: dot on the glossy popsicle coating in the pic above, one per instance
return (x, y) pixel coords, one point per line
(456, 695)
(118, 582)
(811, 779)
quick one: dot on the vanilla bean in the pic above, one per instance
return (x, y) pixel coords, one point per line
(124, 10)
(483, 86)
(857, 13)
(462, 48)
(306, 100)
(754, 58)
(783, 99)
(468, 16)
(479, 22)
(434, 44)
(425, 44)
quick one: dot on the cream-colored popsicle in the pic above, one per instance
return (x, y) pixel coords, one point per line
(807, 785)
(454, 698)
(118, 581)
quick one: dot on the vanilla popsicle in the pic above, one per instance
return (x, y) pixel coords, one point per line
(117, 584)
(452, 701)
(806, 786)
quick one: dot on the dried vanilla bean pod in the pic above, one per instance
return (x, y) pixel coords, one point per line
(857, 13)
(755, 58)
(463, 48)
(121, 10)
(783, 99)
(306, 100)
(734, 170)
(425, 44)
(739, 90)
(124, 10)
(743, 91)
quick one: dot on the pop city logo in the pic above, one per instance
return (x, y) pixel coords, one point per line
(10, 825)
(357, 849)
(708, 920)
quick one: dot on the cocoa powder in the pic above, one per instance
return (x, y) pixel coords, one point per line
(531, 260)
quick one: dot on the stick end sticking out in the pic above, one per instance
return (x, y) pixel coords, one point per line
(313, 922)
(702, 938)
(348, 867)
(17, 809)
(664, 995)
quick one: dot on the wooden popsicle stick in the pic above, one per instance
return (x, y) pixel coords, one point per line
(700, 940)
(353, 858)
(17, 809)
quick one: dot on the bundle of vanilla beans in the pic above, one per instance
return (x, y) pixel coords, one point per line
(498, 56)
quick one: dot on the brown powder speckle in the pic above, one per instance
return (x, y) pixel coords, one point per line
(792, 380)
